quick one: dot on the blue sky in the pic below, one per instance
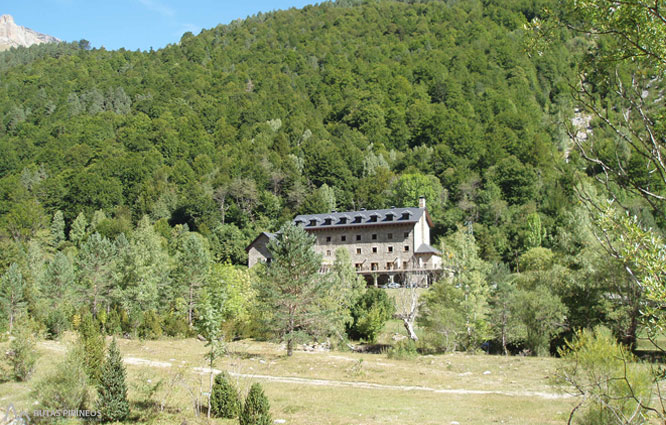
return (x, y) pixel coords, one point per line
(132, 24)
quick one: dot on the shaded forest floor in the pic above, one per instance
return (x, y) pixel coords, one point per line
(332, 387)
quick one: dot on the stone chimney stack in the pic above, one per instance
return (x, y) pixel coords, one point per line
(422, 203)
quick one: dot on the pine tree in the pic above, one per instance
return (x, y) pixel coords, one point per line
(224, 398)
(12, 293)
(293, 291)
(256, 408)
(78, 231)
(58, 228)
(112, 400)
(92, 342)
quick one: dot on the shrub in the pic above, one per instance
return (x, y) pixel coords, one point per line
(224, 401)
(175, 325)
(607, 377)
(22, 354)
(256, 408)
(56, 323)
(66, 387)
(151, 326)
(112, 325)
(369, 314)
(403, 350)
(112, 389)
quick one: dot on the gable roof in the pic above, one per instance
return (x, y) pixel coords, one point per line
(264, 234)
(408, 215)
(427, 249)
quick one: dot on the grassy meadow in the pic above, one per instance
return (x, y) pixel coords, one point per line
(330, 387)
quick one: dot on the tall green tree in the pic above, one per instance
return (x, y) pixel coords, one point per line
(96, 263)
(292, 289)
(194, 263)
(12, 294)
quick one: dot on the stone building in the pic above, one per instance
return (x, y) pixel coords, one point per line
(387, 245)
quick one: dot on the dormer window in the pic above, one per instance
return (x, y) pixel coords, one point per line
(358, 218)
(405, 215)
(298, 222)
(373, 218)
(343, 220)
(327, 222)
(389, 217)
(313, 222)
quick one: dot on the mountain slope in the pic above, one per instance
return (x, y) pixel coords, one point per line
(12, 35)
(329, 106)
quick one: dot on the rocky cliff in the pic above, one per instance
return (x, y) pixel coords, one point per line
(12, 35)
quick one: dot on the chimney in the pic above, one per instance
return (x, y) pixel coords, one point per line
(422, 203)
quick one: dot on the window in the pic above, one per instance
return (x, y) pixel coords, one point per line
(374, 266)
(390, 236)
(406, 235)
(406, 248)
(358, 250)
(388, 266)
(328, 238)
(343, 220)
(358, 237)
(374, 249)
(374, 236)
(327, 222)
(328, 252)
(373, 218)
(343, 238)
(359, 266)
(404, 265)
(389, 249)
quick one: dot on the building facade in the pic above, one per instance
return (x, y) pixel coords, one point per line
(385, 245)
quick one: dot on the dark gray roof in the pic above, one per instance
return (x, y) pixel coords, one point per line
(427, 249)
(360, 218)
(267, 234)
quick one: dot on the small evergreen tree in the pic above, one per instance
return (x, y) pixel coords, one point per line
(22, 355)
(112, 400)
(256, 408)
(66, 387)
(58, 228)
(224, 399)
(92, 343)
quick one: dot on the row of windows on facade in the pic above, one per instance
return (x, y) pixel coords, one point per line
(343, 238)
(359, 251)
(390, 265)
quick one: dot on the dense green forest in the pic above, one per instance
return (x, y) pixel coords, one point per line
(155, 161)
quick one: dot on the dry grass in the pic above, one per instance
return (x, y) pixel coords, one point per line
(308, 404)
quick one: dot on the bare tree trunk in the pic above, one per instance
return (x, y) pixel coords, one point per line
(409, 325)
(189, 307)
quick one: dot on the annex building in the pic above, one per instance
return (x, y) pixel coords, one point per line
(385, 245)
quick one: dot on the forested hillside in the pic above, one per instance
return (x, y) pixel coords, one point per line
(129, 179)
(333, 106)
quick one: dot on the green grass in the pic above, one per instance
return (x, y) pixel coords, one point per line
(307, 404)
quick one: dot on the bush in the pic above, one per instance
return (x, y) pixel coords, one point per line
(56, 324)
(66, 387)
(112, 389)
(369, 314)
(22, 354)
(112, 325)
(607, 377)
(175, 325)
(224, 400)
(256, 408)
(151, 326)
(403, 350)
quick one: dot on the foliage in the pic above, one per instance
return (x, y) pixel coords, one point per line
(612, 387)
(225, 402)
(369, 314)
(404, 349)
(66, 386)
(12, 294)
(112, 389)
(256, 408)
(293, 290)
(22, 353)
(92, 344)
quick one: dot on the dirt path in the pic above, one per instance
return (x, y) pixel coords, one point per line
(372, 386)
(135, 361)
